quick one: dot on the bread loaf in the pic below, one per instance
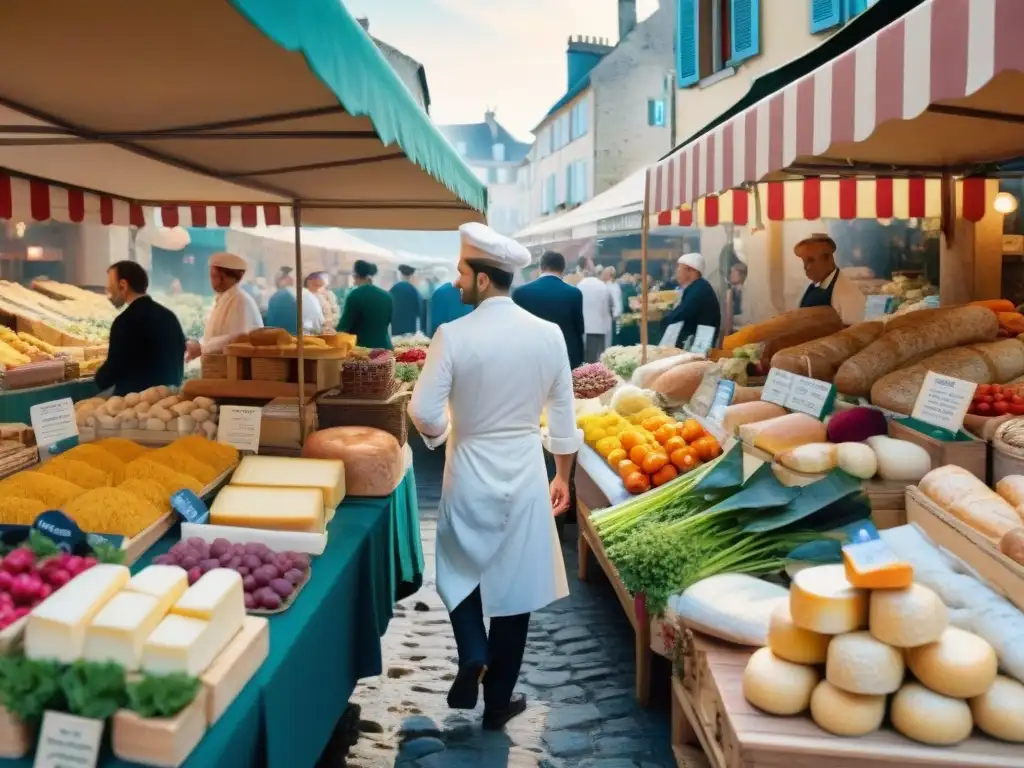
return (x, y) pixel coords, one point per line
(799, 337)
(678, 384)
(1011, 488)
(969, 500)
(915, 318)
(738, 414)
(779, 325)
(783, 433)
(994, 363)
(913, 342)
(821, 357)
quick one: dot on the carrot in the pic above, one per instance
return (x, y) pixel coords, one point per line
(996, 305)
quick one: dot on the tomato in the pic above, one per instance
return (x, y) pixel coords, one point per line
(663, 475)
(636, 455)
(1017, 409)
(637, 482)
(626, 468)
(984, 389)
(999, 397)
(987, 399)
(675, 443)
(984, 409)
(616, 457)
(1001, 407)
(1017, 400)
(654, 461)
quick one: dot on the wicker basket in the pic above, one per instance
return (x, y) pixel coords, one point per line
(333, 410)
(271, 369)
(368, 379)
(214, 366)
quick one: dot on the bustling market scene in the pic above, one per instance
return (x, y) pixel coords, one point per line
(441, 384)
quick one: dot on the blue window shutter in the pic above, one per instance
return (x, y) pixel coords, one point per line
(745, 32)
(855, 8)
(826, 14)
(687, 43)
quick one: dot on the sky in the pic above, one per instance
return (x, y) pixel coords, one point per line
(503, 54)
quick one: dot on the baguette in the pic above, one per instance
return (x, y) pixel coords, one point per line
(779, 326)
(900, 347)
(820, 358)
(799, 337)
(970, 501)
(994, 363)
(1011, 488)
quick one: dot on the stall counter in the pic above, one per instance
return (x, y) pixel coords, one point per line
(16, 404)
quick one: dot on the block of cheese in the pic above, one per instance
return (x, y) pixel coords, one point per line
(118, 631)
(846, 714)
(56, 627)
(282, 509)
(858, 663)
(872, 565)
(182, 644)
(777, 686)
(790, 642)
(823, 601)
(783, 433)
(959, 664)
(166, 583)
(281, 472)
(217, 596)
(929, 717)
(907, 618)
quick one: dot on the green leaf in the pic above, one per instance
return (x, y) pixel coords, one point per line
(761, 491)
(107, 553)
(162, 695)
(727, 472)
(810, 499)
(28, 688)
(94, 690)
(41, 544)
(820, 552)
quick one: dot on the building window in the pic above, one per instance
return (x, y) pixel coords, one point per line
(656, 112)
(576, 182)
(579, 118)
(561, 131)
(498, 152)
(544, 141)
(712, 35)
(548, 191)
(826, 14)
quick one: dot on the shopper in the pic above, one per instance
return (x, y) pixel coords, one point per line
(234, 312)
(699, 303)
(598, 315)
(498, 554)
(316, 284)
(608, 278)
(445, 303)
(407, 302)
(282, 309)
(550, 298)
(368, 309)
(147, 346)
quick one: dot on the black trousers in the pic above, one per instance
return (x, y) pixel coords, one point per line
(501, 650)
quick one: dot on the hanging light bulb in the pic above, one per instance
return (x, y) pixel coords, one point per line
(1005, 203)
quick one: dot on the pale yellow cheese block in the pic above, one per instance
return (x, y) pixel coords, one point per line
(166, 583)
(118, 631)
(281, 472)
(280, 509)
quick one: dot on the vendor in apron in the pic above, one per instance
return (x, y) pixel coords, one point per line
(829, 287)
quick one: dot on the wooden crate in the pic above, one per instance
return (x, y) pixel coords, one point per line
(321, 367)
(16, 738)
(162, 742)
(971, 454)
(709, 709)
(232, 670)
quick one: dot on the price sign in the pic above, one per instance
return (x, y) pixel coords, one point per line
(777, 387)
(67, 741)
(61, 529)
(55, 426)
(240, 427)
(703, 398)
(877, 306)
(190, 507)
(810, 396)
(723, 398)
(943, 401)
(671, 336)
(703, 339)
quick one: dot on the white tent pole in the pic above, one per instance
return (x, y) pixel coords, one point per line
(299, 292)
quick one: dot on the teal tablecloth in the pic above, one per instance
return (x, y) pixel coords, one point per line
(629, 335)
(14, 406)
(322, 645)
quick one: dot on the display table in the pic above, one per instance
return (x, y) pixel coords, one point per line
(322, 645)
(629, 335)
(15, 405)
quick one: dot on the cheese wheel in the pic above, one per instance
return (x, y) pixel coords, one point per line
(822, 600)
(907, 618)
(999, 711)
(846, 714)
(930, 717)
(777, 686)
(788, 641)
(959, 664)
(858, 663)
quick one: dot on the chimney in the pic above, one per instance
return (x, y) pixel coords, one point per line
(491, 123)
(364, 22)
(581, 56)
(627, 17)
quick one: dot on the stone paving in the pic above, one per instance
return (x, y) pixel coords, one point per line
(577, 674)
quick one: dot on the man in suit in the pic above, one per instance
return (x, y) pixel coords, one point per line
(147, 345)
(550, 298)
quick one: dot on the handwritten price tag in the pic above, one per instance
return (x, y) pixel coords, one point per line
(943, 401)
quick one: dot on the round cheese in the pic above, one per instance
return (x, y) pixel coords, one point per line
(959, 664)
(930, 717)
(858, 663)
(823, 601)
(777, 686)
(846, 714)
(999, 711)
(907, 618)
(789, 642)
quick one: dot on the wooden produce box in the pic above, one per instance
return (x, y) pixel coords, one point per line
(16, 738)
(976, 550)
(322, 367)
(970, 454)
(709, 709)
(232, 670)
(162, 742)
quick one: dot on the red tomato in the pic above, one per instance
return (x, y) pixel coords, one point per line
(1017, 409)
(1001, 407)
(998, 397)
(988, 399)
(984, 409)
(984, 389)
(1017, 400)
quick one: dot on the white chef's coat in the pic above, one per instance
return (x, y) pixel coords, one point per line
(598, 306)
(234, 312)
(495, 528)
(312, 312)
(847, 299)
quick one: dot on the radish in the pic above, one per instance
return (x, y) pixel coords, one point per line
(18, 561)
(59, 578)
(25, 589)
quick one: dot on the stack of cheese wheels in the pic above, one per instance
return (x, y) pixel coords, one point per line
(841, 652)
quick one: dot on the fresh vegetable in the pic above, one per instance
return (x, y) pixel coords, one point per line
(997, 400)
(29, 688)
(162, 695)
(592, 380)
(94, 690)
(900, 460)
(416, 355)
(623, 361)
(407, 372)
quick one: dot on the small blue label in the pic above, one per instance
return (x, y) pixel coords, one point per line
(863, 532)
(724, 393)
(61, 529)
(190, 507)
(62, 445)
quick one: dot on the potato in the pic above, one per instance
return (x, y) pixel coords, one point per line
(1012, 545)
(133, 399)
(132, 423)
(203, 402)
(114, 405)
(200, 415)
(156, 412)
(156, 425)
(163, 391)
(183, 408)
(167, 402)
(143, 408)
(151, 395)
(106, 421)
(186, 425)
(210, 429)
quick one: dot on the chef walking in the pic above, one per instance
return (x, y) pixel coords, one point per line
(497, 549)
(829, 287)
(234, 312)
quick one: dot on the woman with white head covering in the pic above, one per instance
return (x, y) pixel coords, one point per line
(497, 548)
(234, 312)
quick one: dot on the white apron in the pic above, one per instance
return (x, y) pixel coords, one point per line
(234, 312)
(494, 371)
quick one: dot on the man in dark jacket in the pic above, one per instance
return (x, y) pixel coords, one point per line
(699, 303)
(550, 298)
(408, 303)
(147, 345)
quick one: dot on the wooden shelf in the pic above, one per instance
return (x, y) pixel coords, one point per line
(243, 390)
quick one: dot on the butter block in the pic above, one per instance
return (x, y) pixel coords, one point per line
(280, 509)
(56, 627)
(281, 472)
(120, 629)
(217, 596)
(166, 583)
(183, 644)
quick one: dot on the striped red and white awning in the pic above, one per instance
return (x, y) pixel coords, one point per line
(842, 199)
(924, 65)
(30, 200)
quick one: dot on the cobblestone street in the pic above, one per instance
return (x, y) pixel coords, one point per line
(577, 674)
